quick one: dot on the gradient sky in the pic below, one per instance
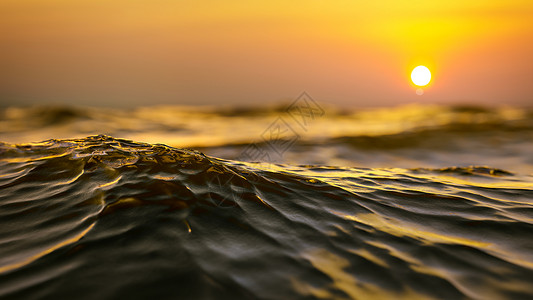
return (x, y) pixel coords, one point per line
(351, 53)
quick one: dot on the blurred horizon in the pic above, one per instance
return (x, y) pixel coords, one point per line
(258, 107)
(236, 53)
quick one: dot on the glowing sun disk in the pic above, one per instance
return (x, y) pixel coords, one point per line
(421, 76)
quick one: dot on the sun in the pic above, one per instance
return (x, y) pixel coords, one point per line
(421, 76)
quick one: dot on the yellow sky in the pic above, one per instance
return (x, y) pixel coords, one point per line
(210, 52)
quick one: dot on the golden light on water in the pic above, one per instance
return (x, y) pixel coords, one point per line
(421, 76)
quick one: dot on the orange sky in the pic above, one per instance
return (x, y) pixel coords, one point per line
(353, 53)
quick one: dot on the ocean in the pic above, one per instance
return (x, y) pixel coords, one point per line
(281, 202)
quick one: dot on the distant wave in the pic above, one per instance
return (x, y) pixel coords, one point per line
(109, 218)
(407, 137)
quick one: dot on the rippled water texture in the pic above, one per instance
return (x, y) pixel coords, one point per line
(105, 218)
(406, 137)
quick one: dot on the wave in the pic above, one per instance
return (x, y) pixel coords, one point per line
(102, 217)
(406, 137)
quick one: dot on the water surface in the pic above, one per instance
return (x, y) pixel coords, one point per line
(107, 218)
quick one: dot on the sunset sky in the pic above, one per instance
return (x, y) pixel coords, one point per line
(349, 53)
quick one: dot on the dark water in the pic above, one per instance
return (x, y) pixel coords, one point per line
(105, 218)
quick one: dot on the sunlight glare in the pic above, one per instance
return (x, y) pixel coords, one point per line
(421, 76)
